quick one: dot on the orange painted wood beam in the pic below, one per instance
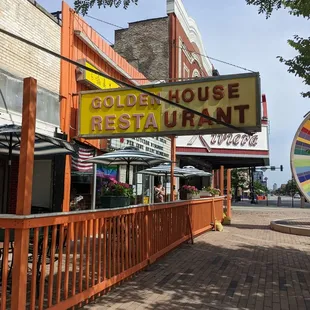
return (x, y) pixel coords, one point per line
(222, 178)
(229, 192)
(24, 193)
(173, 158)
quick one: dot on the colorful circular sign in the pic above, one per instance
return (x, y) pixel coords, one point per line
(300, 157)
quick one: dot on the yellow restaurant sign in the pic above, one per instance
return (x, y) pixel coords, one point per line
(94, 79)
(234, 99)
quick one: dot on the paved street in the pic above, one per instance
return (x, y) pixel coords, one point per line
(247, 266)
(286, 202)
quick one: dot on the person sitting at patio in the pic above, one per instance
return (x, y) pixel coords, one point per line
(159, 193)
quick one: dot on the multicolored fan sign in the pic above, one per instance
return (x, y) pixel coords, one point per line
(300, 157)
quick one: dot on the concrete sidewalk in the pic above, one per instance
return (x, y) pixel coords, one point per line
(247, 266)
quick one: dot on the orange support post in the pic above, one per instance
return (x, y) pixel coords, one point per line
(222, 178)
(173, 158)
(229, 192)
(66, 82)
(24, 193)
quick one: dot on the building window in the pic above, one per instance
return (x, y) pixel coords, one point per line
(196, 73)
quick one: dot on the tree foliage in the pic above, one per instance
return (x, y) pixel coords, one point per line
(83, 6)
(290, 189)
(240, 178)
(259, 188)
(300, 64)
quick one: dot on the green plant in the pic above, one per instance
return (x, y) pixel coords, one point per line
(211, 190)
(117, 189)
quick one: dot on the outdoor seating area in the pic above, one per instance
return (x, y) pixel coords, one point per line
(73, 257)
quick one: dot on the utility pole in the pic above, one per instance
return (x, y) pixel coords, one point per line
(251, 170)
(292, 192)
(266, 180)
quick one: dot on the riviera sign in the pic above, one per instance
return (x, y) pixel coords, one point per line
(235, 140)
(233, 99)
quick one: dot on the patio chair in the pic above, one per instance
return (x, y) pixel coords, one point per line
(49, 258)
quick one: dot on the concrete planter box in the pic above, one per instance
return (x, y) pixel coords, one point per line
(187, 196)
(204, 194)
(109, 202)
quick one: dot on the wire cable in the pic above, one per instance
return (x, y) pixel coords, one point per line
(104, 22)
(96, 47)
(39, 47)
(180, 47)
(101, 35)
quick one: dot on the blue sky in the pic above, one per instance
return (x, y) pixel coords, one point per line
(235, 33)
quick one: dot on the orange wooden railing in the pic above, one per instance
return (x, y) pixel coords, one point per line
(74, 257)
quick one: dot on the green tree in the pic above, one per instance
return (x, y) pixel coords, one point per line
(291, 188)
(239, 178)
(259, 188)
(83, 6)
(300, 64)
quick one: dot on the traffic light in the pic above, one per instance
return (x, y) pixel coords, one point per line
(281, 168)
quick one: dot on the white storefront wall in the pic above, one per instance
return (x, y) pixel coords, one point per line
(231, 141)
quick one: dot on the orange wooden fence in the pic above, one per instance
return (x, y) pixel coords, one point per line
(74, 257)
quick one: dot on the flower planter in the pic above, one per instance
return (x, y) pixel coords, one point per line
(205, 194)
(188, 196)
(109, 202)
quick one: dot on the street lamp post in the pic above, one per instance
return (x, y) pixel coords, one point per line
(266, 179)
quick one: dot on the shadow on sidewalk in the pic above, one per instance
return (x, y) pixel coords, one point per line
(207, 276)
(250, 226)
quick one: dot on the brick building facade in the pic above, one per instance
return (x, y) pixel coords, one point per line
(165, 48)
(18, 61)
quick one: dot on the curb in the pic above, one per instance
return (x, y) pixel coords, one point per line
(287, 229)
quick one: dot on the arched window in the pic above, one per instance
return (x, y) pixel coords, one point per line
(196, 73)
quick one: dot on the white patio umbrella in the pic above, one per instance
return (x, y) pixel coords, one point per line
(164, 170)
(192, 171)
(129, 156)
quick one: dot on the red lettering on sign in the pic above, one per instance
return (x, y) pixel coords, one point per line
(124, 121)
(138, 118)
(188, 95)
(203, 96)
(222, 116)
(188, 116)
(96, 123)
(241, 109)
(203, 120)
(174, 95)
(233, 90)
(172, 123)
(218, 92)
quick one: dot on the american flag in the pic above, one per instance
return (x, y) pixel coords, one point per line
(83, 154)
